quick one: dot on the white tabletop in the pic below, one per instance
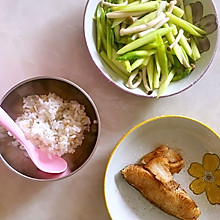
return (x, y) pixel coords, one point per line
(45, 37)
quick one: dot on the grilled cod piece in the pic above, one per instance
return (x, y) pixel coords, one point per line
(154, 180)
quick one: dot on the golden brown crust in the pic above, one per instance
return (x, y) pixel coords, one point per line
(176, 162)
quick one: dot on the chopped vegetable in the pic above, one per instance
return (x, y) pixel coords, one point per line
(148, 42)
(132, 85)
(146, 7)
(136, 54)
(144, 40)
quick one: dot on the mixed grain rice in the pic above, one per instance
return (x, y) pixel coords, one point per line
(53, 124)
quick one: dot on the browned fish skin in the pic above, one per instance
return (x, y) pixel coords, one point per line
(170, 198)
(154, 179)
(175, 160)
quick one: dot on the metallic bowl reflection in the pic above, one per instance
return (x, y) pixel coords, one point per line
(12, 102)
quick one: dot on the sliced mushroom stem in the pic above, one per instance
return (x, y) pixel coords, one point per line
(132, 85)
(179, 36)
(145, 82)
(133, 30)
(130, 20)
(142, 33)
(145, 19)
(158, 25)
(162, 7)
(155, 21)
(123, 25)
(185, 44)
(161, 23)
(192, 65)
(142, 1)
(172, 4)
(184, 61)
(134, 36)
(142, 27)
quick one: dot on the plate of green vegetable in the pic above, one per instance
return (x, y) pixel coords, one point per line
(151, 48)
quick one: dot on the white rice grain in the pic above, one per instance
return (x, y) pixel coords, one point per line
(53, 124)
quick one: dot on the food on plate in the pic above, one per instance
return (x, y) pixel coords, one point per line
(174, 159)
(53, 124)
(154, 180)
(148, 43)
(207, 177)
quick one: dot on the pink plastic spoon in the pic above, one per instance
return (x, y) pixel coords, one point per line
(48, 164)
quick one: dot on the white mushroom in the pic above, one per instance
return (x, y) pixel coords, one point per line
(184, 61)
(143, 33)
(161, 23)
(144, 76)
(162, 7)
(132, 85)
(179, 36)
(158, 25)
(131, 30)
(172, 4)
(142, 27)
(134, 36)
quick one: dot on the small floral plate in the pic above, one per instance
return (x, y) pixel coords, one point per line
(193, 140)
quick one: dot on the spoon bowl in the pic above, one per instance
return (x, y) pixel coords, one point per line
(43, 161)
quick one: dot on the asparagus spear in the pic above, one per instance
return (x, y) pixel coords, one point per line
(144, 40)
(137, 63)
(99, 28)
(112, 66)
(150, 72)
(165, 83)
(157, 72)
(109, 39)
(146, 7)
(136, 54)
(183, 24)
(162, 56)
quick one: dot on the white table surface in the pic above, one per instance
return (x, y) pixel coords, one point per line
(45, 37)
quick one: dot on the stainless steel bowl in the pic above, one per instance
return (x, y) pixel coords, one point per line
(12, 102)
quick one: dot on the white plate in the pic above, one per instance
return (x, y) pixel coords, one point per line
(191, 138)
(175, 87)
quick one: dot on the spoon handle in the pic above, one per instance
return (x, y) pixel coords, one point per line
(8, 123)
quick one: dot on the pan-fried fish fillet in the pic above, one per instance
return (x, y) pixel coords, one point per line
(171, 199)
(155, 182)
